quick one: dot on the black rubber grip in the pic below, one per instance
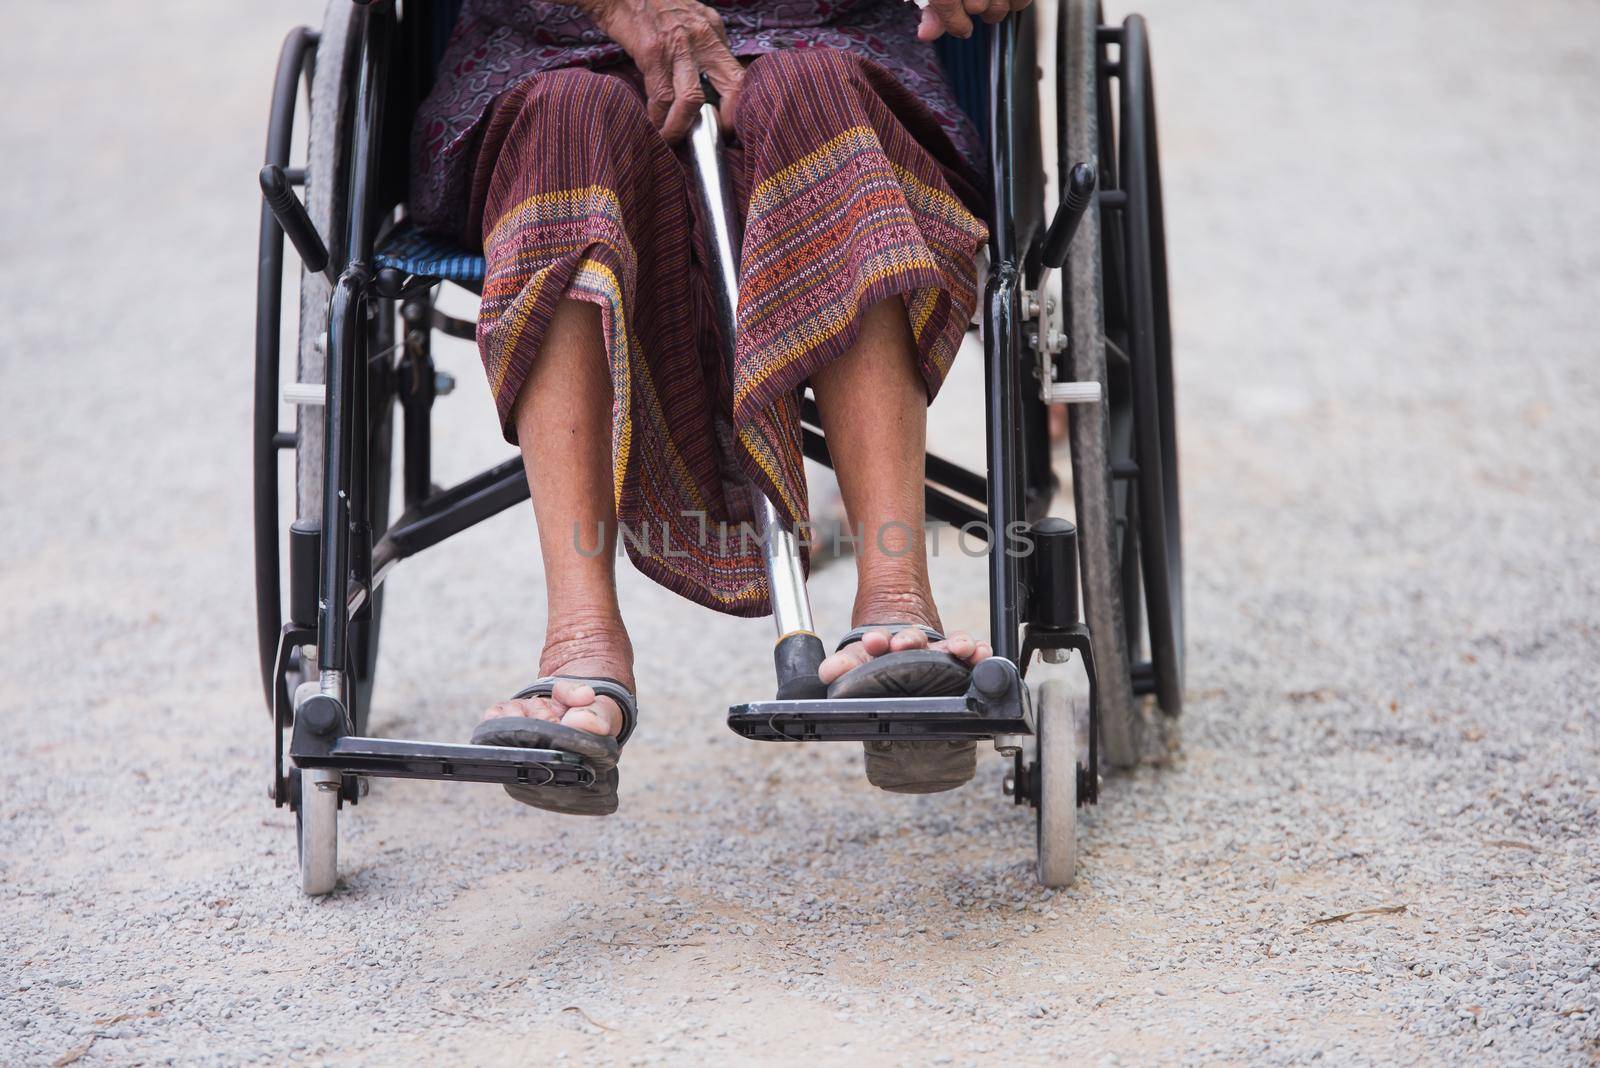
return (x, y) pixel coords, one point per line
(291, 215)
(797, 657)
(1079, 195)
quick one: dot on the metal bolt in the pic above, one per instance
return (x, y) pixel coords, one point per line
(327, 787)
(1009, 785)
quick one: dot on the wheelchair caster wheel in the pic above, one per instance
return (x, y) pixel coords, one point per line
(317, 821)
(1055, 782)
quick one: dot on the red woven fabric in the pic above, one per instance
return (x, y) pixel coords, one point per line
(852, 195)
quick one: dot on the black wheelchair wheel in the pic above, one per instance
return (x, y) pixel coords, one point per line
(1124, 449)
(333, 102)
(330, 64)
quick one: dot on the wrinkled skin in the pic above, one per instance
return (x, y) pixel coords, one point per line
(673, 41)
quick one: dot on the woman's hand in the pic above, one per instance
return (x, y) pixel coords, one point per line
(672, 42)
(955, 16)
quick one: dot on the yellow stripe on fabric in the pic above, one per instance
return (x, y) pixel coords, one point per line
(519, 320)
(574, 204)
(805, 270)
(568, 198)
(923, 301)
(823, 215)
(759, 449)
(953, 207)
(836, 325)
(685, 478)
(599, 279)
(809, 162)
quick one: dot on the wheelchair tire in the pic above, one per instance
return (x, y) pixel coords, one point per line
(1055, 784)
(1115, 290)
(332, 105)
(316, 821)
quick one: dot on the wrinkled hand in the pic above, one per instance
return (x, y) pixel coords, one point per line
(955, 16)
(672, 42)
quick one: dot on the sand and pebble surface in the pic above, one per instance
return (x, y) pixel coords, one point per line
(1386, 277)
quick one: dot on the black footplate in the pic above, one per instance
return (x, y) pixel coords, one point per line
(319, 741)
(994, 704)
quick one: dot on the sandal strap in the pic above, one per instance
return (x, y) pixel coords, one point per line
(855, 634)
(602, 685)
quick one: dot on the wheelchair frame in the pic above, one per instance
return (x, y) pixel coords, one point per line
(335, 581)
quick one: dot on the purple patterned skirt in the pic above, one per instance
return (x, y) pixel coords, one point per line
(499, 43)
(852, 192)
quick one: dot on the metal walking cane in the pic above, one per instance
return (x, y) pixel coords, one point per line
(798, 651)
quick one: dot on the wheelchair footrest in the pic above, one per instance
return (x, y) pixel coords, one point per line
(398, 759)
(996, 703)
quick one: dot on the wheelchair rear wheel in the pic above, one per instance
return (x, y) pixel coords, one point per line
(330, 96)
(332, 101)
(1124, 449)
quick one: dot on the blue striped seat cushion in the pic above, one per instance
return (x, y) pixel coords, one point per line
(410, 250)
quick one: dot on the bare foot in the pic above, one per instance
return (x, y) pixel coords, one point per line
(876, 643)
(573, 648)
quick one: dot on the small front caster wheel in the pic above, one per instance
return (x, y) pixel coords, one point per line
(1055, 780)
(317, 820)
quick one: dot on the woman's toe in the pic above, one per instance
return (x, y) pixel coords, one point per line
(960, 645)
(578, 707)
(528, 707)
(832, 667)
(588, 719)
(873, 643)
(909, 638)
(570, 693)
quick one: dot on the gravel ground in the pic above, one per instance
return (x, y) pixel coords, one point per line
(1383, 220)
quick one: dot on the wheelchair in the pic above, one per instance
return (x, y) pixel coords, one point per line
(1074, 311)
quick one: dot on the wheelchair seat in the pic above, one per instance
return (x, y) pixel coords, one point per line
(409, 249)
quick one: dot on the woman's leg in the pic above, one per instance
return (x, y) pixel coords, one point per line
(875, 413)
(581, 200)
(859, 277)
(563, 421)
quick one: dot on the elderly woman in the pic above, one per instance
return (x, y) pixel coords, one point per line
(553, 138)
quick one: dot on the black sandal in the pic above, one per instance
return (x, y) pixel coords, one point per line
(598, 751)
(908, 767)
